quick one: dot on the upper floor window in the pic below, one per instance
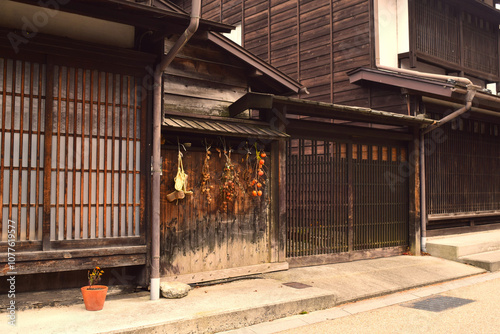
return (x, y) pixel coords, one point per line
(449, 36)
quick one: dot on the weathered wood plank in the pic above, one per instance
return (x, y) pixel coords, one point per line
(48, 266)
(227, 273)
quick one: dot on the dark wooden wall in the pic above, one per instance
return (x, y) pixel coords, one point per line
(315, 42)
(202, 79)
(198, 235)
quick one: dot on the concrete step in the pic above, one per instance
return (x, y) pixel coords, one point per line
(488, 260)
(456, 246)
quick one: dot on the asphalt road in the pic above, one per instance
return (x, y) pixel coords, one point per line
(479, 313)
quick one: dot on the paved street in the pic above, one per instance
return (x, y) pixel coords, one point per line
(465, 306)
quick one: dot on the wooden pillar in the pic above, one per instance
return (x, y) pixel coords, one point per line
(277, 119)
(350, 198)
(414, 228)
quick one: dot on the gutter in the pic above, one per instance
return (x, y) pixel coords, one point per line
(462, 80)
(156, 159)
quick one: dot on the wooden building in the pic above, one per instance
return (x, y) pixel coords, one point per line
(77, 135)
(119, 102)
(356, 52)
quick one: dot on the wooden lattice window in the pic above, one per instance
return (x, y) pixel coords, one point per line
(94, 155)
(22, 112)
(438, 30)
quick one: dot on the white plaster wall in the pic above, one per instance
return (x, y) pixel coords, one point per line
(33, 19)
(391, 21)
(235, 34)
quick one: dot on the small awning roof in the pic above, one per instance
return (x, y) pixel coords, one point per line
(324, 110)
(445, 90)
(221, 126)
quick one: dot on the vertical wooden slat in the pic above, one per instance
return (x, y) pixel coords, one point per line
(82, 156)
(75, 125)
(98, 155)
(120, 161)
(2, 149)
(66, 153)
(127, 160)
(134, 159)
(113, 138)
(20, 161)
(11, 152)
(90, 170)
(49, 108)
(30, 136)
(58, 149)
(38, 148)
(106, 156)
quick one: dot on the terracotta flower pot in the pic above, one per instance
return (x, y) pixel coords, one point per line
(94, 297)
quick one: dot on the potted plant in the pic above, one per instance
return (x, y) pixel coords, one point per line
(94, 295)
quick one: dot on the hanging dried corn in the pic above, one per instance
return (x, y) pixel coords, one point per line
(180, 181)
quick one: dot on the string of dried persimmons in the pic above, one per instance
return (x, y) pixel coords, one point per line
(252, 179)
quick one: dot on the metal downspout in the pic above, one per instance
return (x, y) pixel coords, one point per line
(471, 92)
(156, 160)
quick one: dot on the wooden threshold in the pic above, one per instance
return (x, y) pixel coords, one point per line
(73, 259)
(316, 260)
(215, 275)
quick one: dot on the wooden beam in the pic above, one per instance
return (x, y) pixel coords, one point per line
(57, 265)
(250, 101)
(215, 275)
(75, 253)
(315, 260)
(345, 131)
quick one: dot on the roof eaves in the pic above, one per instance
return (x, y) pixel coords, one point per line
(132, 13)
(257, 63)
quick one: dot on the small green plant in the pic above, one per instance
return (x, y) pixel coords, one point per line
(94, 276)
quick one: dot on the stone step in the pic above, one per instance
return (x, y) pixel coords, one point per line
(457, 246)
(488, 260)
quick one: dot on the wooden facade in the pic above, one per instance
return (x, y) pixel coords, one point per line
(75, 147)
(320, 42)
(87, 123)
(314, 42)
(213, 238)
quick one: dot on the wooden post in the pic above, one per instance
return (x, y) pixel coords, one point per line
(414, 230)
(277, 224)
(47, 163)
(413, 33)
(350, 199)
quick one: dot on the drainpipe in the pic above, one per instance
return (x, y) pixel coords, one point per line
(471, 92)
(156, 160)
